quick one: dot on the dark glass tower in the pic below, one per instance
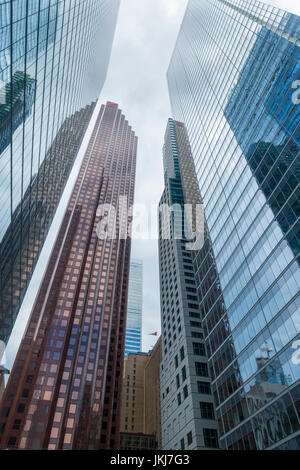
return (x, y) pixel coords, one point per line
(188, 415)
(49, 71)
(64, 391)
(231, 81)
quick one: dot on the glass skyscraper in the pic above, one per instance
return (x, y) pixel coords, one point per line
(232, 81)
(53, 61)
(133, 338)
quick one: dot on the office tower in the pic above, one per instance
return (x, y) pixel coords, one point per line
(65, 387)
(133, 393)
(188, 416)
(53, 61)
(232, 81)
(140, 409)
(133, 338)
(152, 415)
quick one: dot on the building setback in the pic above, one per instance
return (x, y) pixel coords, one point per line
(232, 81)
(65, 387)
(133, 338)
(188, 416)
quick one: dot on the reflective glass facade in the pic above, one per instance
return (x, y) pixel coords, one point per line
(64, 391)
(133, 339)
(231, 81)
(49, 70)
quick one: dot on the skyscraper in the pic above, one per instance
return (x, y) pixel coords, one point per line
(53, 61)
(65, 387)
(133, 338)
(188, 415)
(232, 80)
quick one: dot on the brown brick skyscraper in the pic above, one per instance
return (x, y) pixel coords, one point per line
(64, 389)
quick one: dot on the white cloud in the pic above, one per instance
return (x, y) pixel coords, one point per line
(173, 8)
(144, 42)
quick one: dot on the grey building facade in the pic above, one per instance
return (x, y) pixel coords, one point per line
(232, 81)
(188, 415)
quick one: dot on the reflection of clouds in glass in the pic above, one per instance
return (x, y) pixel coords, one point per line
(2, 353)
(230, 83)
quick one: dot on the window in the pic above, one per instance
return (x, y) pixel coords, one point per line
(194, 314)
(179, 399)
(185, 392)
(199, 349)
(204, 387)
(210, 438)
(207, 410)
(183, 374)
(182, 444)
(177, 381)
(21, 408)
(190, 438)
(17, 424)
(176, 361)
(197, 334)
(12, 441)
(196, 324)
(182, 353)
(201, 369)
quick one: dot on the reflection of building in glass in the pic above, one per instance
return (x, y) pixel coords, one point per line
(16, 106)
(188, 414)
(45, 76)
(273, 152)
(41, 23)
(268, 384)
(70, 361)
(277, 172)
(133, 338)
(232, 87)
(25, 236)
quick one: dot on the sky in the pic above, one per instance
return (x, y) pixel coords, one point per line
(136, 80)
(145, 36)
(144, 41)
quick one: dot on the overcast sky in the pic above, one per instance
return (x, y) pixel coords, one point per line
(145, 37)
(144, 41)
